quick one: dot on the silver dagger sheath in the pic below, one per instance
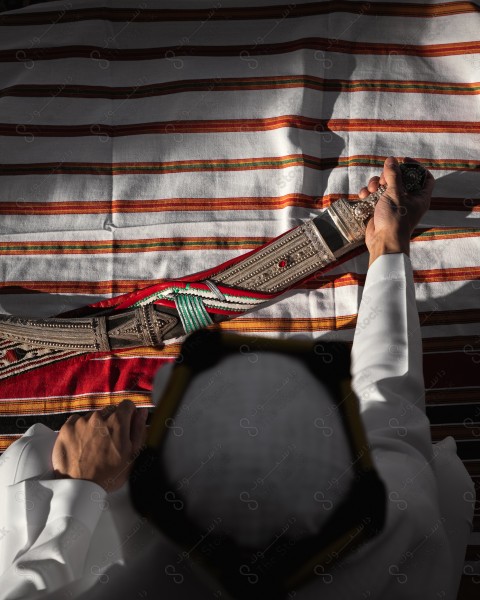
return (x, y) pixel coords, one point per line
(223, 293)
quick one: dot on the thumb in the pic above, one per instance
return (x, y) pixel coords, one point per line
(393, 176)
(370, 229)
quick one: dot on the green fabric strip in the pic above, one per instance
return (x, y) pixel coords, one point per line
(192, 312)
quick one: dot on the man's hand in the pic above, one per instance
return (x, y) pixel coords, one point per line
(101, 445)
(396, 213)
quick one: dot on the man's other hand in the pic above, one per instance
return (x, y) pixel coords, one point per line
(397, 212)
(101, 445)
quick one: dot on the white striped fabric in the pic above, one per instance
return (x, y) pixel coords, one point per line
(140, 141)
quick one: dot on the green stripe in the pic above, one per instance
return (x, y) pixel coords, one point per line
(197, 311)
(192, 312)
(449, 232)
(204, 313)
(188, 315)
(426, 163)
(187, 325)
(190, 304)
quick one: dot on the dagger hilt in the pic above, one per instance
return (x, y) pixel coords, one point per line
(413, 177)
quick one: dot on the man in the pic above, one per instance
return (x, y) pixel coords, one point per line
(68, 528)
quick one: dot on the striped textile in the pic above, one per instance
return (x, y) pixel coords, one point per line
(139, 143)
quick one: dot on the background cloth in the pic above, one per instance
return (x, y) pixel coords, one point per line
(150, 140)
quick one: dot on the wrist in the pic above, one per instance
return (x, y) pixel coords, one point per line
(388, 245)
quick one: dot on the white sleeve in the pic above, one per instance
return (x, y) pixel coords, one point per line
(45, 526)
(387, 374)
(387, 377)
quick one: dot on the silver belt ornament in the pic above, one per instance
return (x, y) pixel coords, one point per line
(143, 326)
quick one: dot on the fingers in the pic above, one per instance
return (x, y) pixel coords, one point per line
(371, 187)
(106, 411)
(373, 184)
(124, 415)
(126, 423)
(126, 407)
(393, 177)
(72, 419)
(138, 429)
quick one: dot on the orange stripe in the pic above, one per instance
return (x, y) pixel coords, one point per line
(239, 84)
(434, 344)
(235, 164)
(243, 126)
(170, 351)
(340, 322)
(28, 406)
(252, 12)
(204, 204)
(167, 205)
(128, 246)
(6, 441)
(52, 247)
(99, 53)
(251, 325)
(140, 15)
(452, 274)
(122, 286)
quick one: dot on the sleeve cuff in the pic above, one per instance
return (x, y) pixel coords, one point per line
(78, 498)
(389, 267)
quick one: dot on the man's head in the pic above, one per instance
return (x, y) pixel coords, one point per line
(258, 442)
(256, 461)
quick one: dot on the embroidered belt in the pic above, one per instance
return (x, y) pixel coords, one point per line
(179, 306)
(144, 326)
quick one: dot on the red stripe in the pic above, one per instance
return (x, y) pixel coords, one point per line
(440, 370)
(98, 53)
(219, 13)
(159, 205)
(184, 166)
(240, 84)
(239, 125)
(83, 375)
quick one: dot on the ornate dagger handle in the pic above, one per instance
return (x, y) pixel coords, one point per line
(413, 177)
(351, 218)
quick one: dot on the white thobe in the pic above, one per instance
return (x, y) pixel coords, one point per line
(64, 538)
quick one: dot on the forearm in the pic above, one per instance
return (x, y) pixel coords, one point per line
(387, 374)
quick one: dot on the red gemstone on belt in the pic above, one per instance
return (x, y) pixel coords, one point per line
(282, 263)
